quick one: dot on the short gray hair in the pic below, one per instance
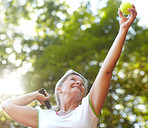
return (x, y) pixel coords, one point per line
(60, 82)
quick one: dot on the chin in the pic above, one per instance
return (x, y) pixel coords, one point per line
(78, 97)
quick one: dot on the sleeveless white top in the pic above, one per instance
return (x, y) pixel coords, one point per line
(82, 117)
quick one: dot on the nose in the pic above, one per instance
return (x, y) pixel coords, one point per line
(78, 82)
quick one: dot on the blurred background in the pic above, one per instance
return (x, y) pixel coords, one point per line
(41, 39)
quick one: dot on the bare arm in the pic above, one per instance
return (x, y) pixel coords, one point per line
(16, 108)
(99, 90)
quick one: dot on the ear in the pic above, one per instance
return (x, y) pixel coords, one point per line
(59, 90)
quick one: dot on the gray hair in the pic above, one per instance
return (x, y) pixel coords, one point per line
(60, 82)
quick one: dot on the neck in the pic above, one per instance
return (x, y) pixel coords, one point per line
(67, 105)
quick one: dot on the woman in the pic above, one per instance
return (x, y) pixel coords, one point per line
(75, 109)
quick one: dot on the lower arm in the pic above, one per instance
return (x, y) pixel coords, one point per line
(22, 100)
(115, 51)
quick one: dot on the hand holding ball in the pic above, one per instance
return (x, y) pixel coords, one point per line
(124, 7)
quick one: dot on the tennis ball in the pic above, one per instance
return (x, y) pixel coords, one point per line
(124, 7)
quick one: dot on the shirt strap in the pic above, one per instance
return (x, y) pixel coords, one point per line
(93, 108)
(38, 118)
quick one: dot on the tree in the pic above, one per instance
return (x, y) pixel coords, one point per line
(81, 41)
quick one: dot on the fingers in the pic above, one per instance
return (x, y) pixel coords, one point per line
(133, 10)
(133, 13)
(120, 13)
(46, 93)
(48, 97)
(133, 6)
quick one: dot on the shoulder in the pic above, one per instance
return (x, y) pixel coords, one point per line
(87, 107)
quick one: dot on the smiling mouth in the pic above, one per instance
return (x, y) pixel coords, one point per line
(78, 88)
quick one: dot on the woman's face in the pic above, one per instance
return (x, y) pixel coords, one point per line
(73, 86)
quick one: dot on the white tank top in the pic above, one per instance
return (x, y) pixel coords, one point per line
(82, 117)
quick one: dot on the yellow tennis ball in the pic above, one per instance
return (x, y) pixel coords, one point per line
(124, 7)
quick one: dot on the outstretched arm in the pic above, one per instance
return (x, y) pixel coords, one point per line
(17, 109)
(99, 90)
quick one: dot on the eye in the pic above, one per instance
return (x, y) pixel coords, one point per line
(73, 79)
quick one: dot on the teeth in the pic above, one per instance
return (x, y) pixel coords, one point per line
(77, 87)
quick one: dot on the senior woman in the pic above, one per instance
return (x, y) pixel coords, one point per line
(76, 109)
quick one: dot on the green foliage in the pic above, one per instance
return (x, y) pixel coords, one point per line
(80, 43)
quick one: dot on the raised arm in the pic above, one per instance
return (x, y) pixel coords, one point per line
(16, 108)
(99, 90)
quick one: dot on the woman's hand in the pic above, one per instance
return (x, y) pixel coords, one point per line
(41, 98)
(125, 22)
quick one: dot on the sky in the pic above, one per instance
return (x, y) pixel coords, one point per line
(141, 7)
